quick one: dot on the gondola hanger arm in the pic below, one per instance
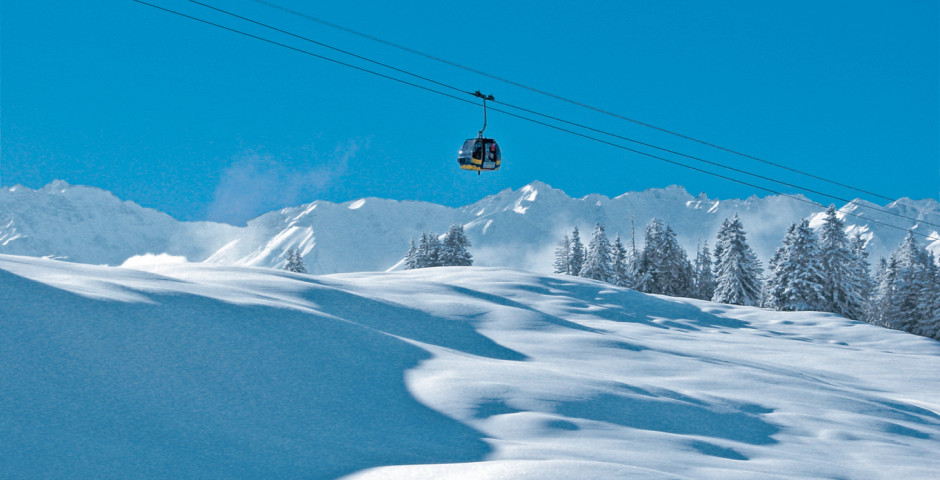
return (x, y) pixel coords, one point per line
(485, 98)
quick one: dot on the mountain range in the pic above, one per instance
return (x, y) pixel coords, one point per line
(516, 229)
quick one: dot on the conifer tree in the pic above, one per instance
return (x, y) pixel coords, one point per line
(295, 262)
(905, 288)
(633, 260)
(455, 248)
(929, 308)
(423, 256)
(434, 250)
(680, 274)
(577, 253)
(664, 267)
(861, 272)
(428, 253)
(737, 270)
(704, 282)
(883, 295)
(651, 261)
(562, 262)
(411, 258)
(842, 288)
(597, 263)
(796, 281)
(931, 327)
(621, 265)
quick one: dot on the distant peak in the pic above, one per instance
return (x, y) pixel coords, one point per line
(56, 186)
(677, 189)
(537, 184)
(673, 191)
(539, 187)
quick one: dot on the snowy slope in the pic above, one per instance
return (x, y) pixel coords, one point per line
(208, 371)
(363, 235)
(90, 225)
(514, 228)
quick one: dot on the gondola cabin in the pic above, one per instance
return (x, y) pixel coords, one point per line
(478, 154)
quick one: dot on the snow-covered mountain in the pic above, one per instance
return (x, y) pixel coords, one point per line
(210, 371)
(90, 225)
(514, 228)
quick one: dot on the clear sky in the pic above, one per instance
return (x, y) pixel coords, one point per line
(206, 124)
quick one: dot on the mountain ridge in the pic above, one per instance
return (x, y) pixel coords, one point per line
(511, 228)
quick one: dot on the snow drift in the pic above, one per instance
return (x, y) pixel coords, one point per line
(179, 370)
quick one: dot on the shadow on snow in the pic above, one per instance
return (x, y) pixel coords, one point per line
(192, 387)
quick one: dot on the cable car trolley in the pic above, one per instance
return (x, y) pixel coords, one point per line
(480, 153)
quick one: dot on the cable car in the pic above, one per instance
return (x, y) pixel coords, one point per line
(479, 154)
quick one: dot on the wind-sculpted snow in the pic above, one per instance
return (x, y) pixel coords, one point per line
(513, 229)
(181, 385)
(180, 370)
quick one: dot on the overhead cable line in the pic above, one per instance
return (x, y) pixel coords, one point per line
(324, 45)
(575, 124)
(562, 129)
(306, 52)
(715, 164)
(568, 100)
(690, 167)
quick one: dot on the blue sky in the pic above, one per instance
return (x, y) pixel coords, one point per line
(206, 124)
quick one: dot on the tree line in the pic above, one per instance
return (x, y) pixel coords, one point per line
(431, 251)
(822, 271)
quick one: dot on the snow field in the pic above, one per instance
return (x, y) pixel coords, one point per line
(192, 370)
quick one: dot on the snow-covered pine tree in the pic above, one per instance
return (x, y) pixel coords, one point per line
(434, 250)
(577, 252)
(704, 282)
(651, 261)
(737, 269)
(563, 256)
(621, 265)
(295, 262)
(633, 260)
(929, 326)
(428, 253)
(422, 257)
(879, 310)
(455, 248)
(597, 263)
(681, 275)
(842, 290)
(861, 271)
(411, 258)
(905, 281)
(796, 281)
(664, 267)
(765, 292)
